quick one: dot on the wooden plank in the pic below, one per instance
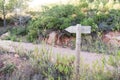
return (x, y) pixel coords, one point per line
(84, 29)
(71, 29)
(77, 57)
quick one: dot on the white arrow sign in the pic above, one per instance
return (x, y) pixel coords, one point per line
(78, 29)
(84, 29)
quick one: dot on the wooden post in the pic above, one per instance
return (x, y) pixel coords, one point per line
(78, 29)
(78, 42)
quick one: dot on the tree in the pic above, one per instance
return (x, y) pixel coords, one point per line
(4, 13)
(8, 6)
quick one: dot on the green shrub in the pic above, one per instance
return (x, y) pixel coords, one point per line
(18, 30)
(32, 35)
(107, 68)
(7, 70)
(57, 18)
(114, 62)
(45, 64)
(90, 22)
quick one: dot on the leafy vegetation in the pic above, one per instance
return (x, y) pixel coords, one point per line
(46, 66)
(44, 63)
(97, 14)
(101, 15)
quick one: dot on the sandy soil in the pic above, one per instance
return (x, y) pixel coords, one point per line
(86, 56)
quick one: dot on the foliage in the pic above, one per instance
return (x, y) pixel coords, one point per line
(87, 12)
(18, 30)
(10, 5)
(114, 62)
(58, 18)
(16, 33)
(45, 64)
(107, 68)
(32, 35)
(96, 45)
(8, 68)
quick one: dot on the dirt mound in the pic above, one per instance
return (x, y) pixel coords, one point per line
(59, 39)
(13, 67)
(112, 38)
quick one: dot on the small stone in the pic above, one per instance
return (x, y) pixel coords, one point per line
(16, 55)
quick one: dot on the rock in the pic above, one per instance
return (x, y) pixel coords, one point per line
(106, 39)
(112, 38)
(5, 35)
(16, 55)
(58, 38)
(53, 36)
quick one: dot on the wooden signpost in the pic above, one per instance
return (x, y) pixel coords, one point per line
(78, 29)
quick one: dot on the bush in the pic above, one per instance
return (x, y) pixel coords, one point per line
(45, 64)
(18, 30)
(32, 35)
(60, 17)
(114, 62)
(7, 70)
(57, 18)
(15, 33)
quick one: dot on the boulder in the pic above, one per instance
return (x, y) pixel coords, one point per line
(5, 35)
(58, 38)
(52, 38)
(112, 38)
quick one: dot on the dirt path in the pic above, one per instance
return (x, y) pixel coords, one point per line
(13, 46)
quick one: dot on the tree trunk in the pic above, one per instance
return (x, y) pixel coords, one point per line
(4, 14)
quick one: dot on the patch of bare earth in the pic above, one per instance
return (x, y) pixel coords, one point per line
(21, 66)
(112, 38)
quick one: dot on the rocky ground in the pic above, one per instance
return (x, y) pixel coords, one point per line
(10, 62)
(23, 66)
(112, 38)
(15, 46)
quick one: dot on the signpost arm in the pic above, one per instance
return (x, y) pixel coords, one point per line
(78, 42)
